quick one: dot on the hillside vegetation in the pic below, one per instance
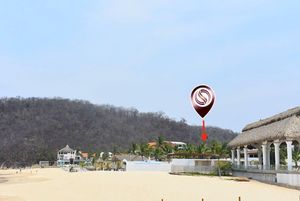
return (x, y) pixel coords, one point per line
(33, 129)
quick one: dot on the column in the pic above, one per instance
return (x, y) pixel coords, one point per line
(289, 154)
(238, 156)
(268, 156)
(277, 155)
(245, 157)
(232, 156)
(259, 158)
(264, 152)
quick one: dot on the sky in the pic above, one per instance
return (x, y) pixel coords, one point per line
(151, 54)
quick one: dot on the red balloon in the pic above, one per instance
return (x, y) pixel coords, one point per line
(203, 98)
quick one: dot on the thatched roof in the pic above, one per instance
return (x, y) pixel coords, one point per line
(285, 125)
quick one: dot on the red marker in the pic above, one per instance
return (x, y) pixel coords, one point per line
(203, 135)
(203, 98)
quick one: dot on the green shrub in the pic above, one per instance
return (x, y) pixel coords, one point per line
(223, 168)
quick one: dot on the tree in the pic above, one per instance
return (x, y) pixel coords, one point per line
(134, 148)
(144, 150)
(296, 155)
(190, 149)
(115, 150)
(283, 155)
(105, 156)
(203, 148)
(159, 141)
(219, 149)
(158, 153)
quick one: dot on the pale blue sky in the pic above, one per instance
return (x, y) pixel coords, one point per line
(150, 54)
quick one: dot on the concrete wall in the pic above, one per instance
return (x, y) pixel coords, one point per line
(192, 169)
(260, 176)
(288, 179)
(148, 166)
(183, 162)
(205, 166)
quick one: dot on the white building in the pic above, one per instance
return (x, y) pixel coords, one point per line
(67, 156)
(179, 145)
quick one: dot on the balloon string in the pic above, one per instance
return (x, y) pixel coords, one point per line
(203, 126)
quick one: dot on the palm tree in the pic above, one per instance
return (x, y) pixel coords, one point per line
(203, 149)
(283, 155)
(133, 148)
(296, 155)
(159, 141)
(144, 150)
(219, 149)
(158, 153)
(167, 148)
(161, 149)
(191, 149)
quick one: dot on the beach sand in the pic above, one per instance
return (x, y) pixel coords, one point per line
(54, 184)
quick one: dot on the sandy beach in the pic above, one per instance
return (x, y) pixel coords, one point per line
(58, 185)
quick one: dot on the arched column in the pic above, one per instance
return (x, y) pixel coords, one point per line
(277, 154)
(289, 154)
(259, 155)
(245, 156)
(238, 156)
(264, 153)
(232, 156)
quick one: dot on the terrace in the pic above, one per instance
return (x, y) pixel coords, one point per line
(274, 139)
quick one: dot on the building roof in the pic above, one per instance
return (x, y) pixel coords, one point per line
(84, 154)
(285, 125)
(173, 143)
(151, 144)
(176, 143)
(66, 149)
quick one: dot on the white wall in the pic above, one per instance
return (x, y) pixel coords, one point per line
(148, 166)
(289, 179)
(67, 156)
(183, 162)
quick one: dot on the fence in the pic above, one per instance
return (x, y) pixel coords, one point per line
(148, 166)
(192, 169)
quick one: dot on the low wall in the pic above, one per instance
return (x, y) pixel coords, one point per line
(260, 176)
(290, 179)
(282, 178)
(192, 169)
(204, 166)
(148, 166)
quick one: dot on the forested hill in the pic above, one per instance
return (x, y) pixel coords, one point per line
(34, 129)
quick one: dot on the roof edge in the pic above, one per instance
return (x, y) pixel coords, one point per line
(278, 117)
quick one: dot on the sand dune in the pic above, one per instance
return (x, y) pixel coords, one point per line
(58, 185)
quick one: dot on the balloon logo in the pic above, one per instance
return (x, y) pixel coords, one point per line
(203, 98)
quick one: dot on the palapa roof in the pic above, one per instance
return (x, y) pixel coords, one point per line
(285, 125)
